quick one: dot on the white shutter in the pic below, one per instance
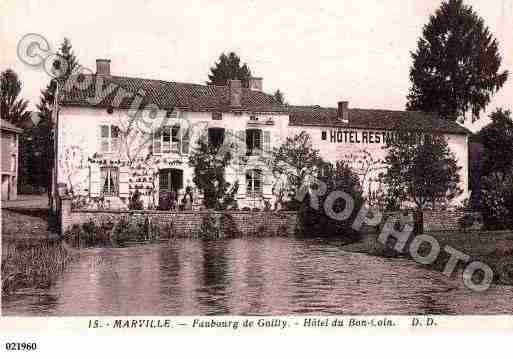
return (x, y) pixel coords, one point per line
(228, 137)
(94, 180)
(185, 139)
(241, 143)
(267, 143)
(123, 181)
(267, 182)
(156, 140)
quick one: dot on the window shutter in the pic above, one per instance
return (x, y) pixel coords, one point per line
(94, 180)
(267, 143)
(228, 138)
(185, 140)
(241, 143)
(156, 141)
(267, 180)
(258, 143)
(123, 181)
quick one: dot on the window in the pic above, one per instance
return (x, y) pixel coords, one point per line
(254, 182)
(217, 116)
(253, 142)
(324, 136)
(253, 118)
(216, 136)
(166, 139)
(109, 138)
(13, 163)
(171, 139)
(109, 179)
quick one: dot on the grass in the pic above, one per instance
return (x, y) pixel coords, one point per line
(32, 256)
(33, 266)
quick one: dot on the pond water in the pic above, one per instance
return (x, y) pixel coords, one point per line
(272, 276)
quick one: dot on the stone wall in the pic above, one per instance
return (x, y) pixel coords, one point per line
(185, 223)
(436, 221)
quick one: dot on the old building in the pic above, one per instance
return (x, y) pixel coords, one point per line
(106, 149)
(10, 139)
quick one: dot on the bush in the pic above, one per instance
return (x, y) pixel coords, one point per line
(228, 227)
(209, 228)
(316, 222)
(466, 221)
(282, 231)
(135, 202)
(497, 202)
(106, 234)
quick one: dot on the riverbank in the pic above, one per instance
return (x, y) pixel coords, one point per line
(32, 255)
(495, 248)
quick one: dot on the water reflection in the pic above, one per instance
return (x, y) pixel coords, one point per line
(251, 276)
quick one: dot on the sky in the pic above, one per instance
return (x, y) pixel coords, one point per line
(316, 52)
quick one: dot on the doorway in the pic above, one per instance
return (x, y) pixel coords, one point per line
(170, 179)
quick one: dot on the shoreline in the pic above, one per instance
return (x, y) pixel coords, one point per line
(494, 248)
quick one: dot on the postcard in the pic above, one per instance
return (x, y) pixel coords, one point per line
(180, 168)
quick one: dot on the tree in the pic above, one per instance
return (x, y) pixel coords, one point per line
(496, 170)
(63, 67)
(12, 108)
(42, 146)
(497, 141)
(279, 97)
(295, 163)
(456, 64)
(227, 68)
(318, 222)
(210, 163)
(422, 172)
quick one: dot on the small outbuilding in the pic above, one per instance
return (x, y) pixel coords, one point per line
(10, 139)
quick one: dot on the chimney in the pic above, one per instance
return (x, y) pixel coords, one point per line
(235, 87)
(255, 83)
(103, 67)
(343, 112)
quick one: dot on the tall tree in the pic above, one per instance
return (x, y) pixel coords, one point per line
(42, 136)
(456, 64)
(497, 141)
(63, 67)
(12, 108)
(421, 172)
(227, 68)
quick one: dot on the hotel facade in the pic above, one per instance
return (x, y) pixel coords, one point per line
(116, 135)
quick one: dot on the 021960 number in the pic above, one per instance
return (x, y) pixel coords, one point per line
(20, 346)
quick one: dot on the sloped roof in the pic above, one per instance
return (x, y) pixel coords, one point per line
(372, 119)
(166, 95)
(194, 97)
(7, 126)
